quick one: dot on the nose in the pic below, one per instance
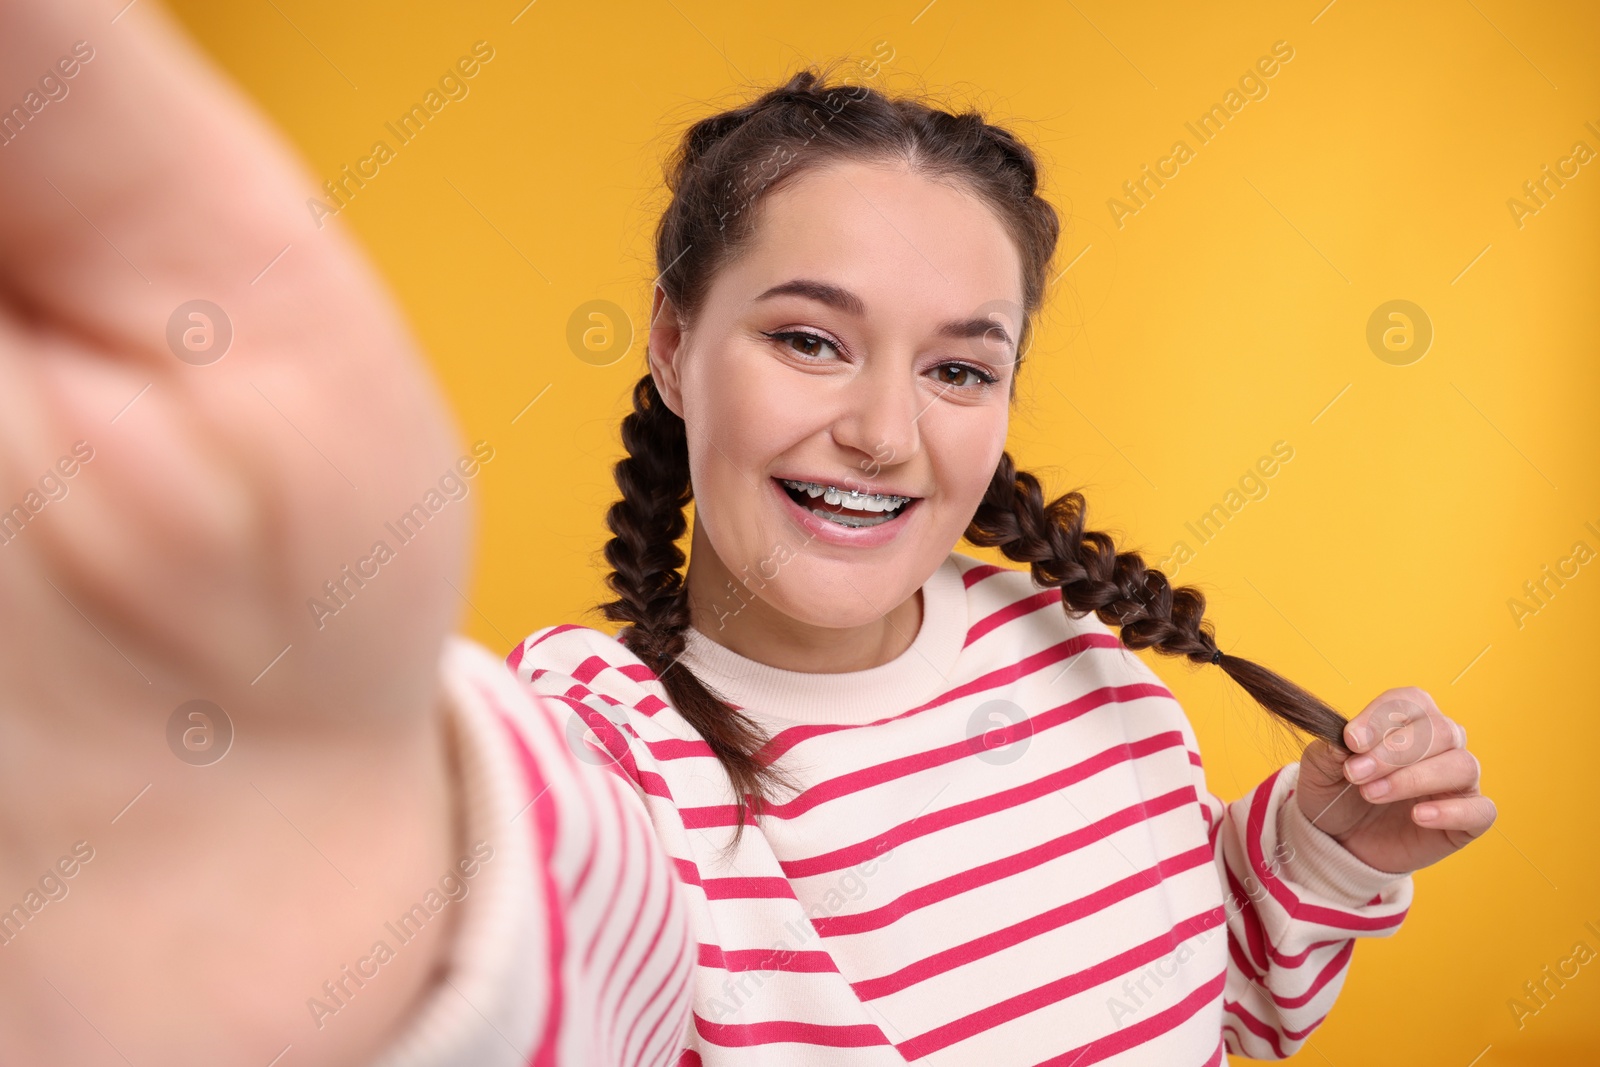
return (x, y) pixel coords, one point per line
(879, 416)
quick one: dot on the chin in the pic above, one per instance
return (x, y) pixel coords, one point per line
(840, 596)
(826, 614)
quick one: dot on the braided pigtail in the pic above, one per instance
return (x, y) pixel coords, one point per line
(646, 525)
(1117, 586)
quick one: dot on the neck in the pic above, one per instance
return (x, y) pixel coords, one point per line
(728, 608)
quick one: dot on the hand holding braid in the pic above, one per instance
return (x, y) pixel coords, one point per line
(1117, 586)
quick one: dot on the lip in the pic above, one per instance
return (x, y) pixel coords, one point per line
(832, 532)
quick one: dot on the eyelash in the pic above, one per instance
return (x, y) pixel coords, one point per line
(783, 336)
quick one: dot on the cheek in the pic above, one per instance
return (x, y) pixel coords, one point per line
(740, 421)
(966, 451)
(752, 414)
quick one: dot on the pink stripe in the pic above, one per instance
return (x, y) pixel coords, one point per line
(613, 740)
(890, 770)
(1242, 963)
(1255, 937)
(544, 1052)
(1331, 970)
(1141, 1032)
(1297, 908)
(539, 636)
(788, 961)
(588, 861)
(677, 748)
(544, 720)
(624, 852)
(546, 723)
(956, 814)
(1000, 676)
(1018, 933)
(1015, 1007)
(632, 915)
(648, 956)
(1266, 954)
(764, 888)
(683, 975)
(650, 704)
(996, 870)
(647, 705)
(1257, 1027)
(1025, 606)
(652, 783)
(1283, 959)
(745, 1035)
(973, 575)
(592, 665)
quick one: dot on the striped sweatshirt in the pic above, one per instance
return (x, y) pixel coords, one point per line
(572, 945)
(1001, 850)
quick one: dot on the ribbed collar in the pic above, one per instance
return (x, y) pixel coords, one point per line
(915, 676)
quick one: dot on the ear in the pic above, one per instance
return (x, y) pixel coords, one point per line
(666, 341)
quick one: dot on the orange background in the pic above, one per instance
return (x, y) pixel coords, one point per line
(1228, 313)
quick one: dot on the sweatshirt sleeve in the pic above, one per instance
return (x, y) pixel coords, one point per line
(1296, 900)
(593, 685)
(571, 943)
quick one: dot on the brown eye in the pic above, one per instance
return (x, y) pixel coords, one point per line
(974, 378)
(805, 344)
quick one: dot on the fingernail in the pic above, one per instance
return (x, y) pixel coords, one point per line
(1374, 790)
(1361, 736)
(1359, 767)
(1425, 812)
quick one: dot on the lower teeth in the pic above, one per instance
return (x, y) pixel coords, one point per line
(851, 520)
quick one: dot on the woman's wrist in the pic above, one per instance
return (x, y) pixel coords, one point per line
(222, 895)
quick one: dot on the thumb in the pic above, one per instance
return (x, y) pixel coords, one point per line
(1322, 767)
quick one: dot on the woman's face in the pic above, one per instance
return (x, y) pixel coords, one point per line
(865, 340)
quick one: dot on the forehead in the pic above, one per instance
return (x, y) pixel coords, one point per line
(911, 247)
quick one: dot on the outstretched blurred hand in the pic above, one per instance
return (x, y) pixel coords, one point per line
(169, 504)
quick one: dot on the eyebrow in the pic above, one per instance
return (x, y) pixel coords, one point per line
(844, 300)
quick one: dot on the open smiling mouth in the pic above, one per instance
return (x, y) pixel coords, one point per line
(845, 507)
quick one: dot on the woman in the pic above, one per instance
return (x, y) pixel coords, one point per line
(919, 809)
(392, 857)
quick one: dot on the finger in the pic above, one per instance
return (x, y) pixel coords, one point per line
(1324, 761)
(1398, 730)
(1389, 710)
(1453, 771)
(1470, 815)
(202, 195)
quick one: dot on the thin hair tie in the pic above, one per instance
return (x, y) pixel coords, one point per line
(1216, 656)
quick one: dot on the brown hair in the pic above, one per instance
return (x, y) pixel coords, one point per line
(719, 171)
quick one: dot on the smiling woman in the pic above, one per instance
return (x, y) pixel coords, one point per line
(839, 365)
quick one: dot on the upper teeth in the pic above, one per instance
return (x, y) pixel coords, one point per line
(849, 498)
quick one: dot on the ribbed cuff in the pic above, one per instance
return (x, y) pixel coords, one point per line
(1319, 864)
(484, 999)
